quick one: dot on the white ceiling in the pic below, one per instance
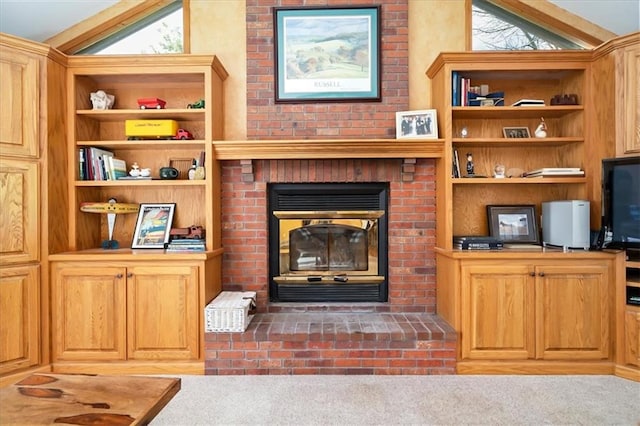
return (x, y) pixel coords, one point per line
(39, 20)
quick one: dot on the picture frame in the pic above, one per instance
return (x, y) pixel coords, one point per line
(332, 68)
(513, 223)
(419, 124)
(516, 132)
(153, 226)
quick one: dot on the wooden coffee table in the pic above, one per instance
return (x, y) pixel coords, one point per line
(85, 399)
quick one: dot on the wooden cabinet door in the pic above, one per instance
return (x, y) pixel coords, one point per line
(19, 108)
(163, 314)
(89, 312)
(572, 312)
(19, 198)
(19, 318)
(632, 337)
(497, 311)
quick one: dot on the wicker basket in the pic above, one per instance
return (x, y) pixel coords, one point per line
(229, 311)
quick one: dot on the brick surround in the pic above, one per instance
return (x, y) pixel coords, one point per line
(412, 284)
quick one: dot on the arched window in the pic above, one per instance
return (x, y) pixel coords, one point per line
(494, 28)
(160, 32)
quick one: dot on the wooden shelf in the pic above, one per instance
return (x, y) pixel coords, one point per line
(516, 142)
(328, 149)
(178, 114)
(511, 181)
(147, 144)
(509, 112)
(141, 182)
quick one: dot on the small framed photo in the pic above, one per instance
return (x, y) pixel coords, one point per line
(513, 223)
(421, 124)
(153, 225)
(516, 132)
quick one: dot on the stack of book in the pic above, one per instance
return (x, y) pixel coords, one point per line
(555, 171)
(185, 245)
(475, 242)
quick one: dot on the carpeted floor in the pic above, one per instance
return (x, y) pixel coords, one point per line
(403, 400)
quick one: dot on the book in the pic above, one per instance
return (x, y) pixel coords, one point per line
(480, 242)
(97, 160)
(456, 164)
(118, 168)
(479, 246)
(529, 102)
(455, 88)
(552, 171)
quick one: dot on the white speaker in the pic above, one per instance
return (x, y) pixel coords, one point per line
(566, 224)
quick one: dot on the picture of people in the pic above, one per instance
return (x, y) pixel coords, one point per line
(153, 225)
(416, 124)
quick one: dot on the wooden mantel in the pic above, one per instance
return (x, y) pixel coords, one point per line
(302, 149)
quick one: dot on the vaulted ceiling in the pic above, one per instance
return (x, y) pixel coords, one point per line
(39, 20)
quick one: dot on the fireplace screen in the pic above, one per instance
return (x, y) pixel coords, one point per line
(330, 242)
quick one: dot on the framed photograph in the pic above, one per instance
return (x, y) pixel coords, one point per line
(421, 124)
(153, 225)
(513, 223)
(516, 132)
(327, 54)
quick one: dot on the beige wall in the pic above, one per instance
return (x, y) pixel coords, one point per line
(218, 27)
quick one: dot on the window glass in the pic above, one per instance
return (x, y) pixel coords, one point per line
(160, 32)
(494, 28)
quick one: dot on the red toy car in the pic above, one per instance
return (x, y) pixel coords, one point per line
(153, 103)
(183, 135)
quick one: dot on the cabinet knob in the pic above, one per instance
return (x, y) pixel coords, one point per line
(532, 274)
(119, 276)
(129, 274)
(541, 274)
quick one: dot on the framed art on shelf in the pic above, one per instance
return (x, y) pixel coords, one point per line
(516, 132)
(513, 223)
(153, 225)
(327, 54)
(420, 124)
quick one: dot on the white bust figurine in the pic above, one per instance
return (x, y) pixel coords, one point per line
(541, 130)
(102, 100)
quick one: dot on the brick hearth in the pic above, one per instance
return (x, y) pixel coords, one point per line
(335, 343)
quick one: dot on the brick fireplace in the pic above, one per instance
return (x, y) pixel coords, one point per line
(401, 335)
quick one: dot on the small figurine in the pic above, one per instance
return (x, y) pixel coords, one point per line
(499, 171)
(102, 100)
(470, 171)
(464, 132)
(541, 130)
(135, 170)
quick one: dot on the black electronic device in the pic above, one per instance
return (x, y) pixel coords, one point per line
(621, 202)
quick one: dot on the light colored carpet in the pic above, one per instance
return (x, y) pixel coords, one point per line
(403, 400)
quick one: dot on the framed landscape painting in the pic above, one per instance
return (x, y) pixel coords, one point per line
(327, 54)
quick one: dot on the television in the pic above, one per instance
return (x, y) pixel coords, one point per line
(621, 202)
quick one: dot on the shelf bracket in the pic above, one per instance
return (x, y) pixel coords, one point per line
(408, 169)
(247, 170)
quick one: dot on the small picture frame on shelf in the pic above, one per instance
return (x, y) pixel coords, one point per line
(516, 132)
(153, 226)
(513, 223)
(420, 124)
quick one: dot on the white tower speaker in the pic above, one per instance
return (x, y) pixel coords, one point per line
(566, 224)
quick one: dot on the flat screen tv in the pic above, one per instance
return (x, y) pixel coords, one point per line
(621, 202)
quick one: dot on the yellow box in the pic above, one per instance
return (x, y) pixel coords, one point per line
(150, 129)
